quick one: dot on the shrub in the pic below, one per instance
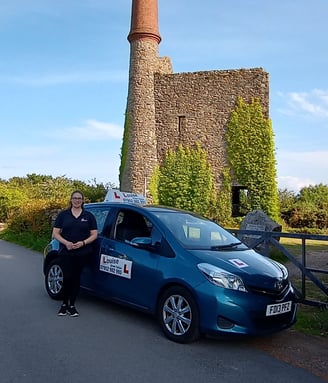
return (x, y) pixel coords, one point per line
(185, 180)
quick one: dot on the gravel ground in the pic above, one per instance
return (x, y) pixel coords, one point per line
(304, 351)
(314, 260)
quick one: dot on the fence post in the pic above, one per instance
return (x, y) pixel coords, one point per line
(304, 265)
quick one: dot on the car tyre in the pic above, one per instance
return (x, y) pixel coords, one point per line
(178, 315)
(54, 279)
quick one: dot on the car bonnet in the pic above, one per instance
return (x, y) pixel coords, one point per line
(249, 265)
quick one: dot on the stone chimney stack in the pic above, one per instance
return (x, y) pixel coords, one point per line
(144, 21)
(140, 135)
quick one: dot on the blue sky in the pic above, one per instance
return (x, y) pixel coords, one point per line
(64, 76)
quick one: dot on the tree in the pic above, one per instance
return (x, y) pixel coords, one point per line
(24, 197)
(287, 201)
(310, 208)
(317, 194)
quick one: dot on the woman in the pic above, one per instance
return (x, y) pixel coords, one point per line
(75, 229)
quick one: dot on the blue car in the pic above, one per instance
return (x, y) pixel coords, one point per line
(193, 275)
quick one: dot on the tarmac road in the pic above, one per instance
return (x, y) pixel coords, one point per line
(109, 343)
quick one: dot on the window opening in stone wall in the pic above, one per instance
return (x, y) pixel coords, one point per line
(181, 124)
(239, 197)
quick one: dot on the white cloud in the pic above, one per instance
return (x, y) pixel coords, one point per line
(86, 152)
(294, 183)
(313, 103)
(97, 130)
(300, 169)
(90, 130)
(102, 166)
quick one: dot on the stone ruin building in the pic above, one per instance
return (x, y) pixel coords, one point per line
(165, 109)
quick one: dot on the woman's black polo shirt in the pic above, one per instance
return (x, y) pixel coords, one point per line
(75, 229)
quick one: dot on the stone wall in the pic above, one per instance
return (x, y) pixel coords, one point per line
(166, 109)
(195, 107)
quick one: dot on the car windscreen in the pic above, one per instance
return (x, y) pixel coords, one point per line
(196, 232)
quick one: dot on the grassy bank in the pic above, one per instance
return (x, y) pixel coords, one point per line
(28, 240)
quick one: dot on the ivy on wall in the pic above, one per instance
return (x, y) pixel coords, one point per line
(185, 180)
(251, 154)
(124, 147)
(153, 185)
(223, 208)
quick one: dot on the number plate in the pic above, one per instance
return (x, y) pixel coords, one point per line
(279, 308)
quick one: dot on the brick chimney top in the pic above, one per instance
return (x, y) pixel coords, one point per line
(144, 21)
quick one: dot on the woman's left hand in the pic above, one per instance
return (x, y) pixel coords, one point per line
(78, 245)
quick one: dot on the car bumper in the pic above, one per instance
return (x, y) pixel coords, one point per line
(225, 311)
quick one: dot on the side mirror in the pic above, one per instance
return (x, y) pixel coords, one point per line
(142, 242)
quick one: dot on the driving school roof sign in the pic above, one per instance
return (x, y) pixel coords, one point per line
(114, 195)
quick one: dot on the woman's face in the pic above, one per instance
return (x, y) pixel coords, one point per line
(77, 200)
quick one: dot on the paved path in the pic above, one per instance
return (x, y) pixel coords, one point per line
(108, 343)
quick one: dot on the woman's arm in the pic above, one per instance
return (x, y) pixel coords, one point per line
(93, 236)
(56, 235)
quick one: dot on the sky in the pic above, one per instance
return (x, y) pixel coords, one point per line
(64, 76)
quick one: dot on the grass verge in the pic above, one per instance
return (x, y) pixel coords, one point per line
(33, 242)
(311, 320)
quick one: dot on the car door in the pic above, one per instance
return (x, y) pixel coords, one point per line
(102, 214)
(127, 273)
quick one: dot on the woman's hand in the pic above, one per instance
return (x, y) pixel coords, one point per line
(77, 245)
(70, 245)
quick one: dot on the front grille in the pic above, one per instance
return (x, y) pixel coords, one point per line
(277, 294)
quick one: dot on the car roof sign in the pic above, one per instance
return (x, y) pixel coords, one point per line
(114, 195)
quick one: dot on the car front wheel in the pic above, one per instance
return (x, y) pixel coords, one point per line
(54, 279)
(178, 315)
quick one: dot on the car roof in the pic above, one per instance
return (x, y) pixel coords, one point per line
(152, 208)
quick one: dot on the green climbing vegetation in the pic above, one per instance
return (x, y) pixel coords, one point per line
(124, 147)
(251, 154)
(185, 180)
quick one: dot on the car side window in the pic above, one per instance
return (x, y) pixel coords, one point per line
(100, 215)
(130, 224)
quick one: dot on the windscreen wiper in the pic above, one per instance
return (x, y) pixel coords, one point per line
(227, 246)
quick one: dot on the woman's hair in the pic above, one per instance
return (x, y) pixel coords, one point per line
(76, 192)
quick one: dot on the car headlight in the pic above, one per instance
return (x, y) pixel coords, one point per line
(221, 278)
